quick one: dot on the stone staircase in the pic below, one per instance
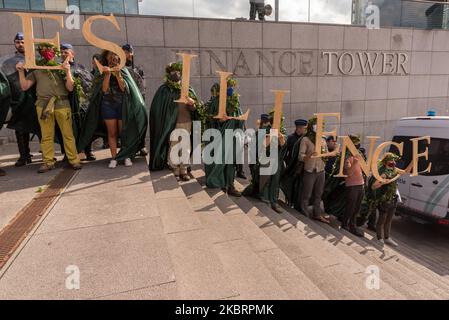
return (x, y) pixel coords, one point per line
(238, 248)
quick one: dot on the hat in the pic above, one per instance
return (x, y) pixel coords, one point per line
(389, 156)
(19, 36)
(128, 47)
(66, 46)
(355, 139)
(265, 117)
(300, 123)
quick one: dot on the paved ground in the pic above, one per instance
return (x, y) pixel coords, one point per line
(136, 236)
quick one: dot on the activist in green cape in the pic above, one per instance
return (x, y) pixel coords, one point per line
(266, 187)
(222, 175)
(164, 115)
(17, 108)
(334, 190)
(139, 78)
(134, 115)
(383, 197)
(291, 177)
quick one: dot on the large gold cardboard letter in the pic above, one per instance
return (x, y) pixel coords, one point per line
(376, 158)
(417, 155)
(366, 165)
(103, 44)
(30, 52)
(186, 61)
(278, 104)
(223, 99)
(320, 132)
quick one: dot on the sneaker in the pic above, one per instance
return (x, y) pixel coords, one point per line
(379, 242)
(277, 208)
(128, 162)
(112, 164)
(90, 157)
(76, 166)
(142, 153)
(22, 162)
(391, 242)
(232, 191)
(45, 168)
(184, 177)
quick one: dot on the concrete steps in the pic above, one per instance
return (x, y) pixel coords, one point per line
(256, 266)
(396, 276)
(401, 277)
(239, 248)
(220, 255)
(324, 271)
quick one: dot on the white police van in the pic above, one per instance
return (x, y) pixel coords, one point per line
(425, 197)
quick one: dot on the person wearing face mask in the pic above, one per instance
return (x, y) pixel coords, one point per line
(266, 187)
(17, 106)
(167, 115)
(383, 196)
(222, 175)
(117, 102)
(314, 174)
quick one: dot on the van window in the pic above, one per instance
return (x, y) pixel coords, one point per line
(438, 155)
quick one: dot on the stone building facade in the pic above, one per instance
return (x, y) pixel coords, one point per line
(372, 77)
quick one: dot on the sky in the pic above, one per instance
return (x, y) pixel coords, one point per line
(331, 11)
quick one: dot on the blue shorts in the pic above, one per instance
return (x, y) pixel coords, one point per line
(110, 110)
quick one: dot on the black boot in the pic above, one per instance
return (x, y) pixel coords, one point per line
(23, 143)
(89, 154)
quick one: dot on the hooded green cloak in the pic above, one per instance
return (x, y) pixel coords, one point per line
(163, 115)
(291, 178)
(266, 188)
(134, 118)
(222, 175)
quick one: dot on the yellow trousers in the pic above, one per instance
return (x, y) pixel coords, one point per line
(63, 117)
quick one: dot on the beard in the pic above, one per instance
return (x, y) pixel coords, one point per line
(20, 49)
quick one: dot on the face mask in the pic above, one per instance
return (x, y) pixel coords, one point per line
(174, 76)
(314, 128)
(230, 91)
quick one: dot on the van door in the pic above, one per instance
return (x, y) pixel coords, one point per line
(429, 193)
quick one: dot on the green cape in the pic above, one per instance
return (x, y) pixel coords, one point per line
(334, 195)
(163, 115)
(269, 192)
(134, 118)
(221, 175)
(291, 181)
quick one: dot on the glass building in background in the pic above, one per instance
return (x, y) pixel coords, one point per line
(87, 6)
(405, 13)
